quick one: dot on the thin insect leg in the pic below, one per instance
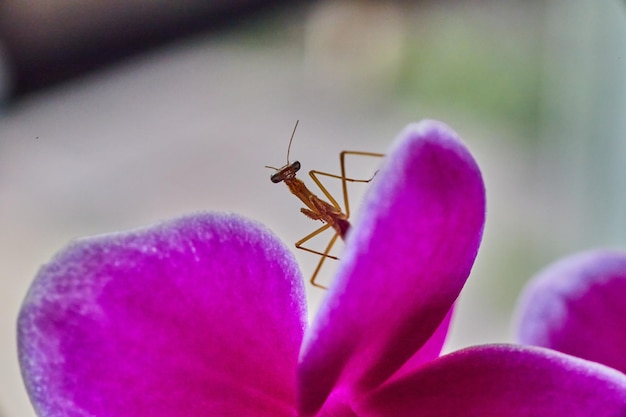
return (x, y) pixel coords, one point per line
(321, 261)
(344, 184)
(309, 237)
(315, 173)
(344, 179)
(323, 189)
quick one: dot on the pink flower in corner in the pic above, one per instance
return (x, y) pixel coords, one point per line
(205, 316)
(578, 306)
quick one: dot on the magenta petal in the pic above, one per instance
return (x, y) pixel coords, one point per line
(504, 380)
(199, 316)
(430, 350)
(405, 262)
(578, 306)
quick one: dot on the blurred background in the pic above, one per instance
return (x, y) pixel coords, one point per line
(118, 114)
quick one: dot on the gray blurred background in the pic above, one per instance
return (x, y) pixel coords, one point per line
(118, 114)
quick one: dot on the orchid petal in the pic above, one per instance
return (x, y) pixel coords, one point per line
(577, 306)
(405, 261)
(502, 380)
(430, 350)
(198, 316)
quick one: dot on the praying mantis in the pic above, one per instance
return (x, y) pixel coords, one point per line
(328, 212)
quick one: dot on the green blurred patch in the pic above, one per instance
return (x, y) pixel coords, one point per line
(472, 66)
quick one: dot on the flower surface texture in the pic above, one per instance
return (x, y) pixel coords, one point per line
(205, 316)
(577, 306)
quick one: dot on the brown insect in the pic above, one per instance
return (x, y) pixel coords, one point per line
(330, 213)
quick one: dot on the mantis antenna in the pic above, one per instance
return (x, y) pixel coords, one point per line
(288, 148)
(291, 139)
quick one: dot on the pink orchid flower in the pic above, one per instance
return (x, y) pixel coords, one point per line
(205, 316)
(578, 306)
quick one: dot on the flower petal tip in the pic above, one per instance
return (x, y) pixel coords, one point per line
(576, 306)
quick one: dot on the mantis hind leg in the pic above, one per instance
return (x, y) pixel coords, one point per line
(323, 255)
(344, 179)
(321, 262)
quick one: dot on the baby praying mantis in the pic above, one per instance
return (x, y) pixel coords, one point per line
(331, 213)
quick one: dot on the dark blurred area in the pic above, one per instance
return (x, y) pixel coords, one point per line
(48, 42)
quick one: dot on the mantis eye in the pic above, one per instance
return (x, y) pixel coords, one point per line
(288, 171)
(277, 177)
